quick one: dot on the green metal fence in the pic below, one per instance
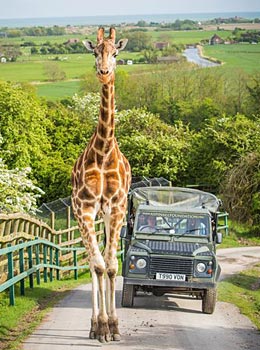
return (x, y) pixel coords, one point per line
(40, 258)
(223, 222)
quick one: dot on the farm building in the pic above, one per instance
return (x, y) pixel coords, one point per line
(215, 39)
(120, 62)
(168, 59)
(161, 45)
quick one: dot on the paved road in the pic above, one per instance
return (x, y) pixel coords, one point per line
(192, 55)
(155, 322)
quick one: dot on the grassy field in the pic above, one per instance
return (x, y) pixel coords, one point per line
(236, 56)
(59, 90)
(31, 68)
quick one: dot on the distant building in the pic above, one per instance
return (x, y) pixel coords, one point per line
(168, 59)
(161, 45)
(129, 62)
(215, 40)
(120, 62)
(3, 60)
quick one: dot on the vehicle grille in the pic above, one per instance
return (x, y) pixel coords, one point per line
(174, 265)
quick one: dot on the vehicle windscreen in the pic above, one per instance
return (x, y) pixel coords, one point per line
(173, 224)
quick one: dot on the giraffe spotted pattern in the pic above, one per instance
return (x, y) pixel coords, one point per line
(101, 180)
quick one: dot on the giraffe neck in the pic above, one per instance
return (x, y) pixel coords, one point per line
(106, 120)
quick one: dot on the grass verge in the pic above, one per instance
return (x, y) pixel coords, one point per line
(239, 236)
(243, 290)
(18, 322)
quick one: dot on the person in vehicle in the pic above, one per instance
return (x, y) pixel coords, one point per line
(196, 226)
(150, 226)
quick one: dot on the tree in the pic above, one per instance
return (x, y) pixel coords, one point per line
(253, 87)
(23, 127)
(241, 190)
(218, 146)
(152, 147)
(17, 191)
(138, 40)
(151, 55)
(11, 52)
(54, 72)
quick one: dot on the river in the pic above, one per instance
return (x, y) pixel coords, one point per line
(192, 55)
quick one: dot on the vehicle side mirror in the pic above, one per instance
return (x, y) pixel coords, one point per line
(219, 238)
(123, 232)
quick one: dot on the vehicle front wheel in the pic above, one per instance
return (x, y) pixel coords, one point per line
(128, 295)
(209, 301)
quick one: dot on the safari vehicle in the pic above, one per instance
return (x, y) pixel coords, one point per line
(170, 244)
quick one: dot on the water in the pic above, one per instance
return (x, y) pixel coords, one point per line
(116, 20)
(192, 55)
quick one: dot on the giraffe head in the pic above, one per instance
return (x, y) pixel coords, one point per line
(105, 52)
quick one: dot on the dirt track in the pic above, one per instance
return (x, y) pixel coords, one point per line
(154, 322)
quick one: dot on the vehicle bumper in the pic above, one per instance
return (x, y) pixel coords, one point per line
(173, 284)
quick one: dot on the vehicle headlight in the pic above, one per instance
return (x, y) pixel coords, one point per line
(141, 263)
(201, 267)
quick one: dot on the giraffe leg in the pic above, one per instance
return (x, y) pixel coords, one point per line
(103, 332)
(113, 319)
(93, 329)
(112, 269)
(99, 320)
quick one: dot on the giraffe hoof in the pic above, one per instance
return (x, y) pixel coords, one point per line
(116, 337)
(104, 338)
(101, 339)
(92, 335)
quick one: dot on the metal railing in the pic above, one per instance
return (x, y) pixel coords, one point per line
(35, 257)
(41, 258)
(223, 222)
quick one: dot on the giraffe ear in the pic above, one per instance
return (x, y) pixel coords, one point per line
(121, 44)
(89, 45)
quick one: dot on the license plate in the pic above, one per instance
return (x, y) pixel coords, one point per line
(170, 276)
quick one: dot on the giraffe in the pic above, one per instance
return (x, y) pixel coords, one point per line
(101, 179)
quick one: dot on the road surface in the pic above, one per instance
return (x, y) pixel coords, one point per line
(192, 54)
(154, 322)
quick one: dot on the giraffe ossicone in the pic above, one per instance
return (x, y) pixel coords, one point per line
(100, 183)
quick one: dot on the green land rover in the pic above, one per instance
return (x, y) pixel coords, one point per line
(170, 244)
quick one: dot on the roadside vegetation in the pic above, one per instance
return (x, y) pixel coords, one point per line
(242, 290)
(18, 322)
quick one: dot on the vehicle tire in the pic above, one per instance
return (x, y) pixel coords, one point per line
(209, 301)
(158, 293)
(128, 295)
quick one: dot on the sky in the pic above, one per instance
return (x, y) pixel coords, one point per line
(71, 8)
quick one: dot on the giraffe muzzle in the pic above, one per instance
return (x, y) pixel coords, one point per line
(104, 71)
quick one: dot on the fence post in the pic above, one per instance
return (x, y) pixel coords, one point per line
(21, 268)
(226, 223)
(45, 273)
(68, 223)
(37, 260)
(52, 227)
(75, 264)
(11, 275)
(30, 263)
(57, 264)
(51, 263)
